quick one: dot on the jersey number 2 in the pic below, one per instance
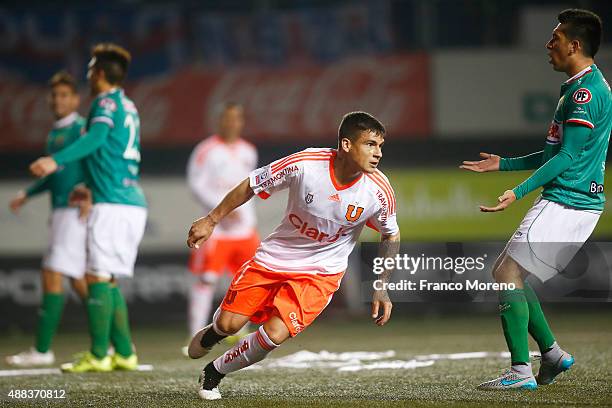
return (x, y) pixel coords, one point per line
(131, 151)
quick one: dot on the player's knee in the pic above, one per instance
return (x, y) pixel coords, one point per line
(228, 325)
(52, 281)
(276, 331)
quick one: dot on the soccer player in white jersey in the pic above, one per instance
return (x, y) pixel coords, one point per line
(333, 194)
(235, 239)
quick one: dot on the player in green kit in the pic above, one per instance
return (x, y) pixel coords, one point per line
(111, 154)
(571, 170)
(65, 255)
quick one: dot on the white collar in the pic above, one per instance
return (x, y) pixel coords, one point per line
(110, 91)
(578, 75)
(65, 121)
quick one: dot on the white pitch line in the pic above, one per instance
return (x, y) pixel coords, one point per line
(52, 371)
(471, 355)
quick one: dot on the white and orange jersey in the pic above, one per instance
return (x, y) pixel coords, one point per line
(323, 220)
(215, 167)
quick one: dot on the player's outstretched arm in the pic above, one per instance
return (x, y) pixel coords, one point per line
(96, 136)
(389, 247)
(23, 196)
(202, 228)
(489, 162)
(575, 138)
(18, 201)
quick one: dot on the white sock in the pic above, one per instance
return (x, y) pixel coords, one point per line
(523, 369)
(250, 350)
(554, 354)
(200, 303)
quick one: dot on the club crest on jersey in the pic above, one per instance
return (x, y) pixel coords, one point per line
(582, 96)
(555, 133)
(108, 104)
(309, 197)
(353, 213)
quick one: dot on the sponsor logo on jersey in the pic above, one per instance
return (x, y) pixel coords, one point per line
(596, 188)
(555, 133)
(108, 104)
(231, 355)
(312, 232)
(261, 177)
(383, 202)
(335, 197)
(294, 321)
(582, 96)
(353, 213)
(278, 176)
(129, 106)
(309, 198)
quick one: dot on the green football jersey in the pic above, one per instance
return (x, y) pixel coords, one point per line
(65, 132)
(585, 100)
(112, 171)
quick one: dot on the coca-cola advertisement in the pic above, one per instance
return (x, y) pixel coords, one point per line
(299, 104)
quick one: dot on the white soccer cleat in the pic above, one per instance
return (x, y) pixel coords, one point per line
(550, 369)
(213, 394)
(208, 383)
(31, 358)
(195, 349)
(510, 380)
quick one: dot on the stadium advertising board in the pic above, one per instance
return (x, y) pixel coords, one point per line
(301, 103)
(481, 94)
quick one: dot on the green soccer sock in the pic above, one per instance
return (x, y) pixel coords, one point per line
(120, 329)
(99, 311)
(538, 326)
(514, 314)
(48, 320)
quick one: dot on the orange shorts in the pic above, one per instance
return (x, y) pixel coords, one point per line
(297, 298)
(218, 255)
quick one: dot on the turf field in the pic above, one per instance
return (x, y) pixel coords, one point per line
(444, 382)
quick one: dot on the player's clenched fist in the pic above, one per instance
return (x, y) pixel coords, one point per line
(43, 166)
(200, 231)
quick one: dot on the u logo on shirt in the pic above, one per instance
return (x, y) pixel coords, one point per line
(352, 213)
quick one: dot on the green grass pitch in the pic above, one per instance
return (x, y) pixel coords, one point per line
(172, 383)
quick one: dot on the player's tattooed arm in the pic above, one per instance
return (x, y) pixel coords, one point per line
(202, 228)
(389, 247)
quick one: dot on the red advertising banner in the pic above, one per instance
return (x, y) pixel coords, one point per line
(285, 104)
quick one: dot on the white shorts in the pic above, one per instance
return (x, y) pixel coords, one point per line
(66, 252)
(114, 232)
(549, 237)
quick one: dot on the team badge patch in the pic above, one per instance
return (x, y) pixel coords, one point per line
(309, 197)
(582, 96)
(353, 213)
(555, 133)
(108, 104)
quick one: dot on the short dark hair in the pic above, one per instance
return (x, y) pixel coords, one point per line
(585, 26)
(354, 123)
(223, 107)
(113, 60)
(63, 78)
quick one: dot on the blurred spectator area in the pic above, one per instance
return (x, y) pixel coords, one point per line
(297, 66)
